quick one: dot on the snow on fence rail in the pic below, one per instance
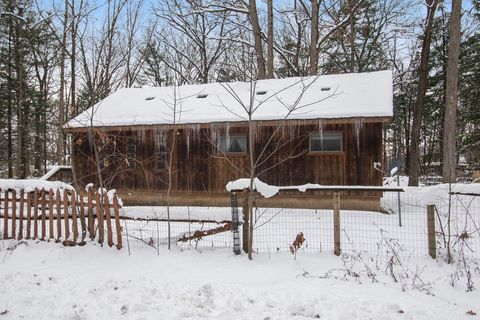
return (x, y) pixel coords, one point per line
(34, 213)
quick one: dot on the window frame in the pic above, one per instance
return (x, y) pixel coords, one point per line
(230, 136)
(326, 152)
(132, 160)
(161, 151)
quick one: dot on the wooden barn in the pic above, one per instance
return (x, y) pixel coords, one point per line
(189, 141)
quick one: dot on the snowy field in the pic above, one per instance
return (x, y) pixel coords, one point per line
(383, 273)
(48, 281)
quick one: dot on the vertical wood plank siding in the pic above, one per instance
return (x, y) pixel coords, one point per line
(198, 168)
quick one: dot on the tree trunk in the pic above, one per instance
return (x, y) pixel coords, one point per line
(449, 135)
(22, 130)
(270, 40)
(314, 39)
(257, 37)
(61, 98)
(414, 149)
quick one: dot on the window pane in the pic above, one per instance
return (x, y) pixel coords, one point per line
(232, 144)
(326, 142)
(161, 161)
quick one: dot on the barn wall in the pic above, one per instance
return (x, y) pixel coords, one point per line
(197, 167)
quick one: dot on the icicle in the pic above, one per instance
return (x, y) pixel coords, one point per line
(227, 132)
(358, 127)
(321, 126)
(188, 143)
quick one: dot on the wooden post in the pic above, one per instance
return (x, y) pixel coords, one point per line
(29, 215)
(50, 213)
(432, 244)
(108, 220)
(91, 222)
(336, 223)
(35, 214)
(20, 220)
(74, 216)
(14, 214)
(44, 215)
(82, 217)
(118, 228)
(5, 216)
(66, 216)
(59, 215)
(99, 218)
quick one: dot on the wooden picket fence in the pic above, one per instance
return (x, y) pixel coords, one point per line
(62, 216)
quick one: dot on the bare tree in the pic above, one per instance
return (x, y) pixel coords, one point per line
(414, 148)
(449, 134)
(256, 160)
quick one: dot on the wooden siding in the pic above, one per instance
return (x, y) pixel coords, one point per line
(198, 168)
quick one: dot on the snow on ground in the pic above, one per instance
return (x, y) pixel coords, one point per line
(49, 281)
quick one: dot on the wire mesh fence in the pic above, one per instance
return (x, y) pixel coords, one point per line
(190, 227)
(457, 222)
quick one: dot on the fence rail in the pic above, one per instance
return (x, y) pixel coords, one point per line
(60, 215)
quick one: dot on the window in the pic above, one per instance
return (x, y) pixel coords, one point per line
(161, 154)
(232, 144)
(131, 152)
(326, 142)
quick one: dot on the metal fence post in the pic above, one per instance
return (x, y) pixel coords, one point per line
(235, 223)
(336, 223)
(432, 245)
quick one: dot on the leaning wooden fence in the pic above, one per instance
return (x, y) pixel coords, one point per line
(62, 216)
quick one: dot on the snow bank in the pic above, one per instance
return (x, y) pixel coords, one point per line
(48, 281)
(439, 193)
(29, 185)
(328, 96)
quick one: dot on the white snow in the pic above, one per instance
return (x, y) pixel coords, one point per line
(29, 185)
(45, 280)
(52, 170)
(49, 281)
(268, 191)
(217, 214)
(349, 96)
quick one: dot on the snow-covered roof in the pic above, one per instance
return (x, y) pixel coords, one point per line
(355, 95)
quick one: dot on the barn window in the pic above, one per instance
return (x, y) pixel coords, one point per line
(232, 144)
(132, 152)
(161, 153)
(326, 142)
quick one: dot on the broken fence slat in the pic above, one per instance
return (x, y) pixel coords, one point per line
(59, 214)
(74, 217)
(35, 214)
(108, 220)
(29, 215)
(82, 217)
(66, 215)
(20, 220)
(50, 214)
(5, 216)
(118, 228)
(91, 221)
(14, 214)
(99, 218)
(44, 215)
